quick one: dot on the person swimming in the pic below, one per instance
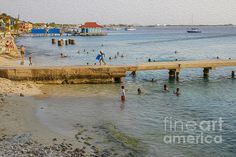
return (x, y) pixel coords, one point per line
(166, 88)
(177, 93)
(133, 74)
(139, 91)
(63, 56)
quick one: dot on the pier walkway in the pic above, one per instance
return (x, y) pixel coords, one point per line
(105, 74)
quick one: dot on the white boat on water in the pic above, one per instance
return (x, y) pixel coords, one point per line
(194, 30)
(130, 29)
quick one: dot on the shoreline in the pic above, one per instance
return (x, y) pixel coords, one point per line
(19, 122)
(22, 133)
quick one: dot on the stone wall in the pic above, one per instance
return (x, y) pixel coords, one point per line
(65, 75)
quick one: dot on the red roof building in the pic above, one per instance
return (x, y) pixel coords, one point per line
(91, 25)
(91, 28)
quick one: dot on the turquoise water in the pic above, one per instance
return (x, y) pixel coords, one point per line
(142, 116)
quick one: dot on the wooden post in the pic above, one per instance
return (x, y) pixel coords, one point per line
(206, 72)
(172, 74)
(72, 42)
(233, 74)
(118, 79)
(53, 41)
(66, 42)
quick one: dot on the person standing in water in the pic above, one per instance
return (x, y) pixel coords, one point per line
(139, 91)
(30, 61)
(177, 93)
(22, 53)
(102, 56)
(122, 93)
(166, 88)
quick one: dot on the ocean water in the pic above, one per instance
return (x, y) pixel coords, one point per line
(143, 116)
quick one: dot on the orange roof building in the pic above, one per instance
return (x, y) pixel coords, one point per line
(91, 28)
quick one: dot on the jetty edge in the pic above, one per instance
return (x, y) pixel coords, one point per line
(104, 74)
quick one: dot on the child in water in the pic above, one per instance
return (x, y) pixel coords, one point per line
(30, 60)
(139, 91)
(177, 93)
(122, 93)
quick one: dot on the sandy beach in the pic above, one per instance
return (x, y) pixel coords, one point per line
(21, 133)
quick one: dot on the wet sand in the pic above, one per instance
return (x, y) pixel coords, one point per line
(21, 133)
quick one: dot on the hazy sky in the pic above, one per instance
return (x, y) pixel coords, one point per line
(123, 11)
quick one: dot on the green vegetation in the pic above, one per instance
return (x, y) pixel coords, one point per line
(129, 142)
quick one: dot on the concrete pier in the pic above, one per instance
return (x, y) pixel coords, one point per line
(104, 74)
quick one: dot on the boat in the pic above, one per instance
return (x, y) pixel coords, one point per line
(194, 30)
(130, 29)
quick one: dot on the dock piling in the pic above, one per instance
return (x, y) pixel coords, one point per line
(53, 41)
(206, 72)
(172, 74)
(233, 74)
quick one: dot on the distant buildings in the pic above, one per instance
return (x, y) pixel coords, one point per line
(45, 32)
(25, 26)
(91, 29)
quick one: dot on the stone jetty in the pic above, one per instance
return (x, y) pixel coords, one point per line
(104, 74)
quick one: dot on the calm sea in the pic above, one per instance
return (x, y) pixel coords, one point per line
(142, 116)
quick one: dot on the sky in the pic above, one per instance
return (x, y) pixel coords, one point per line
(143, 12)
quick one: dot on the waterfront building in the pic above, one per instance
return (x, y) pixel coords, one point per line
(91, 29)
(25, 26)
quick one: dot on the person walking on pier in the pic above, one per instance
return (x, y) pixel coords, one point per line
(101, 58)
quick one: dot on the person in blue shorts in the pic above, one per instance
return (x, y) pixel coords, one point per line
(101, 59)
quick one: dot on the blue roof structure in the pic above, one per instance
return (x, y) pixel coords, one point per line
(54, 31)
(39, 31)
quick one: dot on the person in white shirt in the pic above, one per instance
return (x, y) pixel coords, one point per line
(122, 93)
